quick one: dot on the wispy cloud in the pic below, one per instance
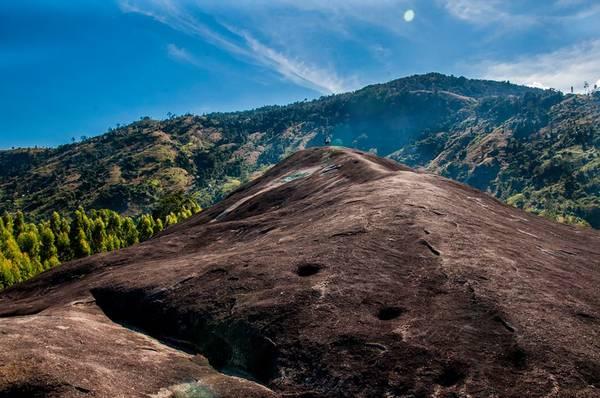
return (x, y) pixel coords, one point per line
(182, 55)
(308, 42)
(476, 11)
(296, 71)
(560, 69)
(485, 12)
(239, 43)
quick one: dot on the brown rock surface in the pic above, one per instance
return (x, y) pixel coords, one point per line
(336, 274)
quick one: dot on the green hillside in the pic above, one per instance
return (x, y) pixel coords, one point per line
(532, 148)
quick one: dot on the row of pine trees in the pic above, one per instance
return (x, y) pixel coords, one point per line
(26, 249)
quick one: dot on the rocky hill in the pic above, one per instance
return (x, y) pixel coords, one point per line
(335, 274)
(534, 149)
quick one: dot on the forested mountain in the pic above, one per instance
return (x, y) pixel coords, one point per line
(537, 149)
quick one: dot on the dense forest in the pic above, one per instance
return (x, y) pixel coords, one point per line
(535, 149)
(28, 248)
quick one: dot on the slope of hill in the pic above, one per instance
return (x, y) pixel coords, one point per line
(335, 274)
(536, 149)
(541, 154)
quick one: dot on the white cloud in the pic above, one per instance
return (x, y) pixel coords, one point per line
(168, 13)
(561, 69)
(537, 85)
(333, 15)
(182, 55)
(475, 10)
(511, 15)
(487, 12)
(296, 71)
(239, 43)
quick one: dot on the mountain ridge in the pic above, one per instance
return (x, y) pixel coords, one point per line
(509, 140)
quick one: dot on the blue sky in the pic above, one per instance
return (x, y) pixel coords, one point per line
(72, 68)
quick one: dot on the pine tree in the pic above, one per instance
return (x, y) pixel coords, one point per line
(80, 234)
(19, 223)
(60, 227)
(7, 275)
(63, 246)
(159, 225)
(129, 232)
(48, 252)
(11, 252)
(98, 236)
(114, 222)
(112, 242)
(29, 242)
(58, 224)
(8, 220)
(146, 227)
(171, 219)
(80, 245)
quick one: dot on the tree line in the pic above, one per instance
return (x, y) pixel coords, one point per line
(29, 248)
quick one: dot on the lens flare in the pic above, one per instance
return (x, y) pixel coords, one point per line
(409, 15)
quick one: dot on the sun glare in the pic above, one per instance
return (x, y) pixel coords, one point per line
(409, 15)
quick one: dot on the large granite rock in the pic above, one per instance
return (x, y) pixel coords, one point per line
(336, 274)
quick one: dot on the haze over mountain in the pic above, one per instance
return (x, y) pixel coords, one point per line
(536, 149)
(335, 274)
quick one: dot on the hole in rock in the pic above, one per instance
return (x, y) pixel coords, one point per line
(585, 316)
(450, 376)
(26, 390)
(389, 313)
(308, 269)
(590, 372)
(517, 357)
(232, 346)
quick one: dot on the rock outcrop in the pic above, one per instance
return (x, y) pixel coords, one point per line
(336, 274)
